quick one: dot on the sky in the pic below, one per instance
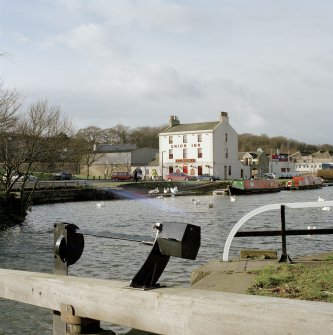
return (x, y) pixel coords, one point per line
(267, 63)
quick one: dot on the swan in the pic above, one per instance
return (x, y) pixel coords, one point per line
(174, 190)
(320, 199)
(232, 198)
(154, 191)
(100, 204)
(326, 208)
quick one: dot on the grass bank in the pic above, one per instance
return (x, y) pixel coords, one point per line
(304, 280)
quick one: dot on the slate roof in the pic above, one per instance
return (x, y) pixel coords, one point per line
(202, 126)
(108, 148)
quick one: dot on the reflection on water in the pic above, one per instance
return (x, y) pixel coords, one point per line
(30, 247)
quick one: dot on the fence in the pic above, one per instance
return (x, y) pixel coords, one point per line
(283, 232)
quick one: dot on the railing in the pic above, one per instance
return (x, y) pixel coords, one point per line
(283, 232)
(51, 184)
(181, 311)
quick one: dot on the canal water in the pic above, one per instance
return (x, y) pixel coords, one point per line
(30, 247)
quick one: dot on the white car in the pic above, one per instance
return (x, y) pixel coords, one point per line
(16, 178)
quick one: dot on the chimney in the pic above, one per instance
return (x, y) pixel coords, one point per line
(173, 121)
(224, 117)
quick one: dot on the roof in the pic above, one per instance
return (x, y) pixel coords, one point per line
(253, 154)
(202, 126)
(115, 148)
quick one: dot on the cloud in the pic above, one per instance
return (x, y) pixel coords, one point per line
(152, 15)
(88, 39)
(267, 63)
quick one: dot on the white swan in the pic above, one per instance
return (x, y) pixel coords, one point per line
(174, 190)
(326, 208)
(154, 191)
(100, 204)
(320, 199)
(232, 198)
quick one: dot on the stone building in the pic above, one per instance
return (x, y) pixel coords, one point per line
(111, 158)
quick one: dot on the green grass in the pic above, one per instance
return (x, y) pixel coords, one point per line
(306, 282)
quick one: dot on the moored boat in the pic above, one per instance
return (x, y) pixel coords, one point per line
(303, 183)
(254, 186)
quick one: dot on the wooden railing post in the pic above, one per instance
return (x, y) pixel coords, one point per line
(76, 325)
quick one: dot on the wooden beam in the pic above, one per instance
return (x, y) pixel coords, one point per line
(167, 310)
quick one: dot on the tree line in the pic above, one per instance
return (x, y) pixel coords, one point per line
(148, 137)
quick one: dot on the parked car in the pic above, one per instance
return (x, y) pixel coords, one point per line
(63, 175)
(122, 176)
(269, 175)
(178, 177)
(15, 177)
(207, 177)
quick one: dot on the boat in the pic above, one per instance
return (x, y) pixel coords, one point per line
(254, 186)
(303, 183)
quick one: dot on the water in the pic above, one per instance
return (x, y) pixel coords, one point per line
(30, 247)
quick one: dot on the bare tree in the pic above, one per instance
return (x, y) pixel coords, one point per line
(39, 138)
(88, 138)
(10, 103)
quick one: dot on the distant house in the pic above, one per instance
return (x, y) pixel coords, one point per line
(311, 163)
(256, 160)
(119, 157)
(281, 163)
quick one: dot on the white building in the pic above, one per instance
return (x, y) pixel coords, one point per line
(201, 148)
(306, 163)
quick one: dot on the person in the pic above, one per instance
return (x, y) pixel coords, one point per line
(135, 175)
(154, 174)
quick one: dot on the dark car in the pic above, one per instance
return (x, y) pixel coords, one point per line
(207, 177)
(122, 176)
(178, 177)
(63, 175)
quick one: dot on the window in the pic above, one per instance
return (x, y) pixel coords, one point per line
(226, 153)
(199, 137)
(199, 170)
(226, 137)
(170, 154)
(199, 152)
(184, 153)
(184, 138)
(170, 139)
(229, 170)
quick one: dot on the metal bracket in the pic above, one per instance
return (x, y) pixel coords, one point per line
(172, 239)
(68, 314)
(68, 246)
